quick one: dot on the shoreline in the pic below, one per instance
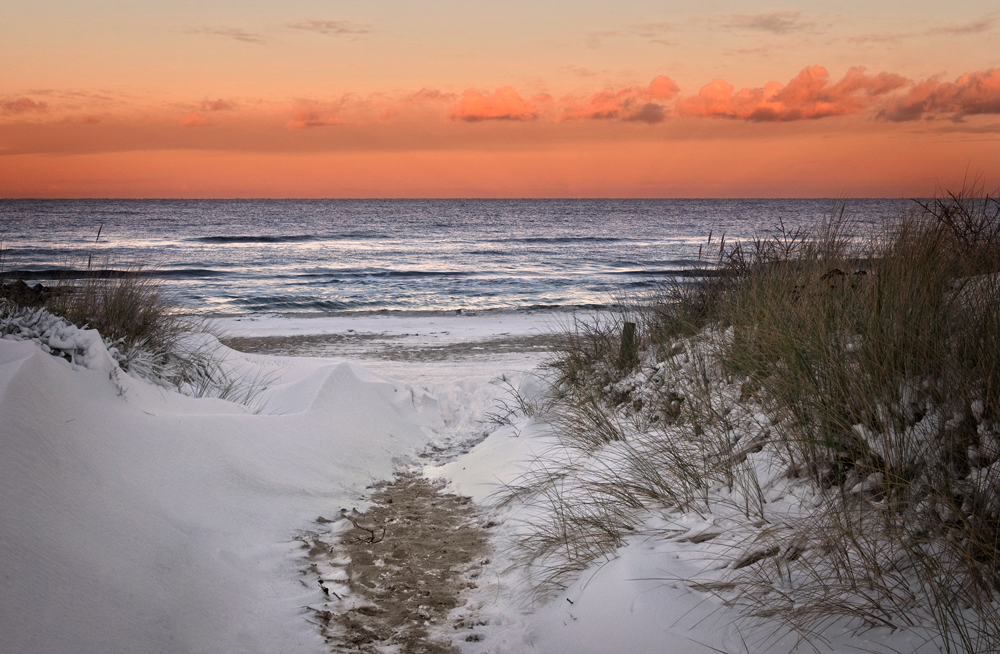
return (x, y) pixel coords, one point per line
(422, 350)
(408, 338)
(412, 313)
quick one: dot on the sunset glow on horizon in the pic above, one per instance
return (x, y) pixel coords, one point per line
(488, 99)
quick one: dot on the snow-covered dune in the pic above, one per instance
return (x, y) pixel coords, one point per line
(136, 519)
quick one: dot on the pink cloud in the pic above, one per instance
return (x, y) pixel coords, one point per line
(194, 119)
(217, 105)
(88, 119)
(778, 22)
(984, 24)
(334, 27)
(431, 95)
(809, 95)
(229, 32)
(22, 105)
(970, 94)
(634, 103)
(305, 117)
(504, 104)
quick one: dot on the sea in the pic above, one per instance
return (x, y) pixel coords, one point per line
(235, 257)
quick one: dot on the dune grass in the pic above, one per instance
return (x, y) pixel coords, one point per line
(865, 362)
(143, 329)
(129, 308)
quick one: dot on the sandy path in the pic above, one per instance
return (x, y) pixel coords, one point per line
(398, 569)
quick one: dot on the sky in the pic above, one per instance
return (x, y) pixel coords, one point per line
(477, 98)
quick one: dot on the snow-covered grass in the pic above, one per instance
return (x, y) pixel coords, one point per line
(194, 363)
(129, 309)
(828, 410)
(139, 326)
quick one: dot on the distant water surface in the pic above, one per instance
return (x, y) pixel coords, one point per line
(253, 256)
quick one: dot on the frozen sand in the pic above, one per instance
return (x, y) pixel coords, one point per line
(138, 520)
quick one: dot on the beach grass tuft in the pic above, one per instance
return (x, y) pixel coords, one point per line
(142, 328)
(129, 308)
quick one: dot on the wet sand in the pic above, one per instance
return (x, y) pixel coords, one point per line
(389, 347)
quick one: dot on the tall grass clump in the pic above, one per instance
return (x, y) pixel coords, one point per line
(140, 326)
(880, 356)
(866, 362)
(151, 338)
(128, 308)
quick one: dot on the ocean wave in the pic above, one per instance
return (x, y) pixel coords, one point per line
(336, 275)
(560, 239)
(186, 272)
(109, 273)
(291, 303)
(672, 272)
(290, 238)
(416, 273)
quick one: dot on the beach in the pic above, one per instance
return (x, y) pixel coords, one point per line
(492, 328)
(139, 519)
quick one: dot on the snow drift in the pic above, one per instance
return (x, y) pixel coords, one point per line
(136, 519)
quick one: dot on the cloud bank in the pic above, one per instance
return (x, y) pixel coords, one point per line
(229, 32)
(306, 117)
(331, 27)
(809, 95)
(504, 104)
(22, 105)
(639, 104)
(971, 94)
(778, 22)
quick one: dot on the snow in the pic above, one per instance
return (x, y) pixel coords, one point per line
(438, 328)
(151, 521)
(137, 519)
(642, 599)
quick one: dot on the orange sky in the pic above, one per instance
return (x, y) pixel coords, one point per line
(489, 99)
